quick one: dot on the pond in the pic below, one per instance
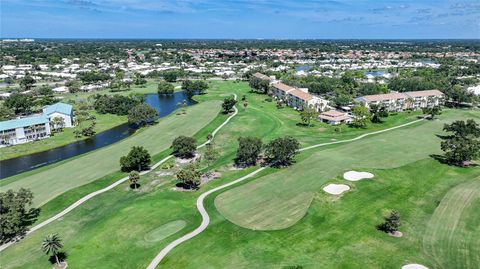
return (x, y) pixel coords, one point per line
(375, 73)
(164, 104)
(303, 68)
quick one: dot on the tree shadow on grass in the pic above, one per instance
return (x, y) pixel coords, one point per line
(443, 160)
(134, 186)
(62, 256)
(304, 125)
(186, 186)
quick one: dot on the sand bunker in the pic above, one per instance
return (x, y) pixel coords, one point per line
(414, 266)
(356, 176)
(336, 189)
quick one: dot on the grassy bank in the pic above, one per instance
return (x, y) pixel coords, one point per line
(104, 122)
(51, 182)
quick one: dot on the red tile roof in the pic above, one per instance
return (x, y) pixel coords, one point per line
(301, 94)
(282, 87)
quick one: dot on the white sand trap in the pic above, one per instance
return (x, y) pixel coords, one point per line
(356, 176)
(336, 189)
(414, 266)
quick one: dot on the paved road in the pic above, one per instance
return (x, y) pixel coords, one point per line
(95, 193)
(205, 217)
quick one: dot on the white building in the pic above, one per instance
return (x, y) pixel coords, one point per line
(62, 110)
(37, 127)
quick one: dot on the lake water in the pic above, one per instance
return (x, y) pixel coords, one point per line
(164, 104)
(303, 68)
(375, 73)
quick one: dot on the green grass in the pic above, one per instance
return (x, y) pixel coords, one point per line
(104, 122)
(49, 183)
(164, 231)
(453, 233)
(274, 202)
(339, 232)
(114, 230)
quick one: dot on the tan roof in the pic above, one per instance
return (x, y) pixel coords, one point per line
(384, 97)
(301, 94)
(334, 115)
(262, 76)
(283, 87)
(424, 93)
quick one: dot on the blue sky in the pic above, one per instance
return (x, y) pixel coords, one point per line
(240, 19)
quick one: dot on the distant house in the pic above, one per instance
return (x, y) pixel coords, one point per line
(396, 101)
(32, 128)
(61, 89)
(335, 117)
(263, 77)
(62, 110)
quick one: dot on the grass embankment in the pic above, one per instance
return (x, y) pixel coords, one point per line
(104, 122)
(49, 183)
(123, 228)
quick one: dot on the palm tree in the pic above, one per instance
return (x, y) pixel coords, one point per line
(51, 245)
(134, 177)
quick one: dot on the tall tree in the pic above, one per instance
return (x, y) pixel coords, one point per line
(142, 114)
(16, 213)
(184, 146)
(463, 143)
(432, 111)
(20, 103)
(249, 148)
(259, 85)
(6, 113)
(51, 245)
(27, 82)
(307, 115)
(210, 154)
(280, 151)
(134, 177)
(165, 88)
(137, 159)
(189, 175)
(361, 116)
(228, 104)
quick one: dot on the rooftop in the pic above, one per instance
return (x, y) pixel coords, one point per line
(283, 87)
(424, 93)
(262, 76)
(59, 108)
(17, 123)
(301, 94)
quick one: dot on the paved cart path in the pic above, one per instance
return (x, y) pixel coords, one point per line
(206, 218)
(120, 181)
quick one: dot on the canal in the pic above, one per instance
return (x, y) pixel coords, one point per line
(164, 104)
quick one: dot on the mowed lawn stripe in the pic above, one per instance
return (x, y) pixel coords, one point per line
(452, 233)
(51, 182)
(268, 206)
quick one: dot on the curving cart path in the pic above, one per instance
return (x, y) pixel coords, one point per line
(206, 218)
(115, 184)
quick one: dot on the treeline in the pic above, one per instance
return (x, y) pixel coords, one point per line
(115, 104)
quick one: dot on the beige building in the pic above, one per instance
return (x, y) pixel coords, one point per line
(335, 117)
(297, 98)
(407, 100)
